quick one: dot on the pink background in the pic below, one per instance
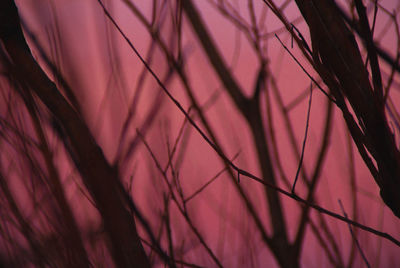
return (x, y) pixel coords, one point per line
(103, 72)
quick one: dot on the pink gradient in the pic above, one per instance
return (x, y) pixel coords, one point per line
(104, 72)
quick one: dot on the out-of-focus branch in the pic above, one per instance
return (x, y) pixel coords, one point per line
(250, 109)
(25, 227)
(304, 218)
(213, 139)
(244, 172)
(182, 209)
(214, 56)
(101, 180)
(72, 236)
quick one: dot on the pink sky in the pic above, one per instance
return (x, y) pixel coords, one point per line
(85, 38)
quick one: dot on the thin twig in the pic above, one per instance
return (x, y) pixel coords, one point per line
(304, 141)
(181, 210)
(241, 171)
(305, 71)
(354, 237)
(216, 176)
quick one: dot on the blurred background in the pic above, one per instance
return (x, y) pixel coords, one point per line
(227, 63)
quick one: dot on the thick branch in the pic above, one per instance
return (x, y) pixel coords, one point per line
(335, 48)
(100, 179)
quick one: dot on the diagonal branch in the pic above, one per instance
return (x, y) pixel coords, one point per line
(236, 168)
(124, 244)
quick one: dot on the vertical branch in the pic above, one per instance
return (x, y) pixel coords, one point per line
(250, 109)
(304, 141)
